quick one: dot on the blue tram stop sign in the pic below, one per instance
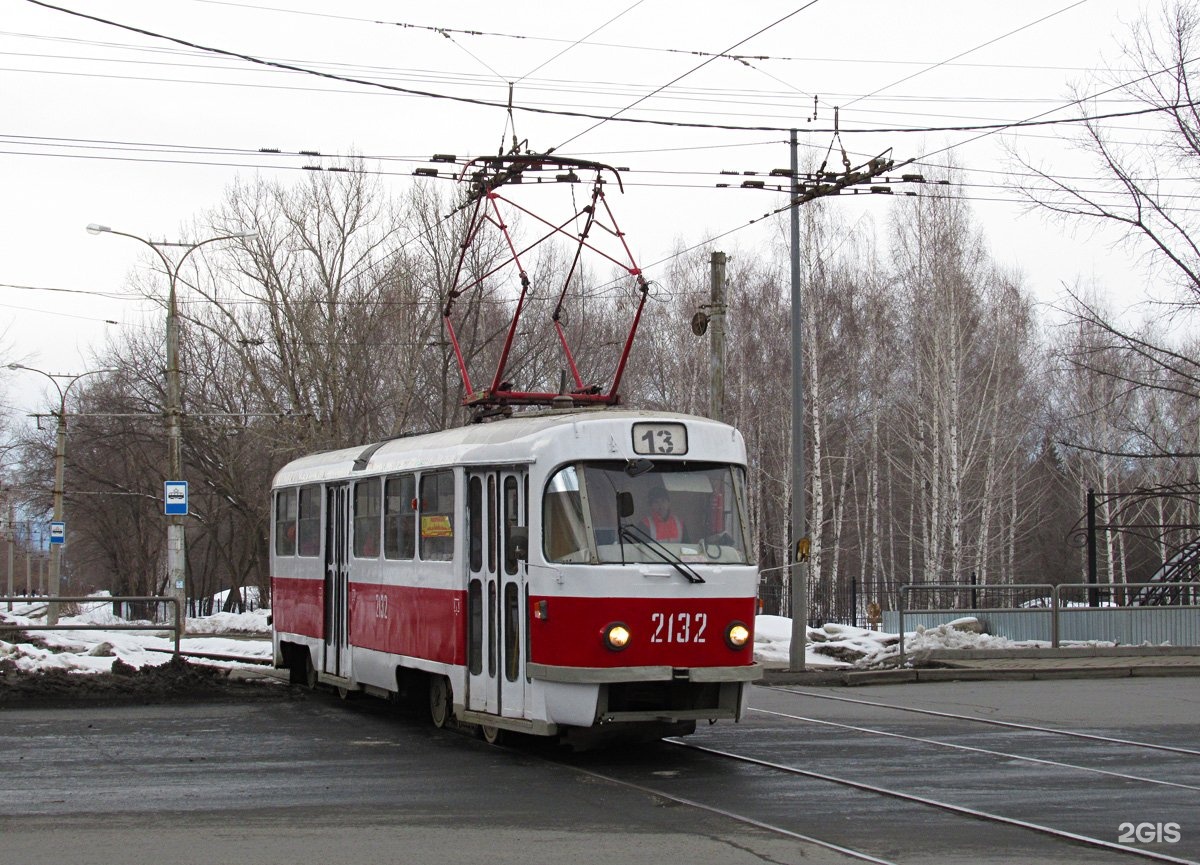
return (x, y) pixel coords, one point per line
(175, 498)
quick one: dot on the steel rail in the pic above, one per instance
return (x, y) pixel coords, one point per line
(740, 818)
(961, 810)
(1008, 724)
(976, 750)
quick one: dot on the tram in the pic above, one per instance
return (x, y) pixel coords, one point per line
(551, 573)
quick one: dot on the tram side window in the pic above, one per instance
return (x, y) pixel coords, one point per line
(308, 530)
(285, 523)
(437, 516)
(564, 538)
(399, 518)
(366, 519)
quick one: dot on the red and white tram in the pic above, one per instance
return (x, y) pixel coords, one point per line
(518, 572)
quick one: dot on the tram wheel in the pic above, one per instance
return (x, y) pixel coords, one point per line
(297, 674)
(439, 701)
(310, 672)
(492, 735)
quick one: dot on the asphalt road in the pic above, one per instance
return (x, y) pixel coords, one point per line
(309, 779)
(312, 780)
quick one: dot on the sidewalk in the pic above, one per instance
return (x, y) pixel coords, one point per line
(950, 665)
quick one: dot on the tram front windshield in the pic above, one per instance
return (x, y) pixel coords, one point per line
(612, 513)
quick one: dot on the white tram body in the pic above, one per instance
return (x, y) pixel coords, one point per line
(512, 570)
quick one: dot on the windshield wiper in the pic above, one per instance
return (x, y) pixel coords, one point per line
(638, 535)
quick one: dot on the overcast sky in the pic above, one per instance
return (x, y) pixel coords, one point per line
(101, 124)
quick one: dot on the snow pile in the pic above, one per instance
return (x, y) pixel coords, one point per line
(829, 646)
(97, 651)
(231, 623)
(843, 646)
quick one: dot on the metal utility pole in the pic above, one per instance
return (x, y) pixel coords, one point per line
(8, 536)
(176, 550)
(799, 497)
(60, 458)
(716, 338)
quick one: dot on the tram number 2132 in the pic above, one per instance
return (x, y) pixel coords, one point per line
(678, 627)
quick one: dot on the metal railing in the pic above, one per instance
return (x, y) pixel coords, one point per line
(176, 627)
(1058, 610)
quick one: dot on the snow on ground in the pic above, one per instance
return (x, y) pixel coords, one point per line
(247, 635)
(95, 651)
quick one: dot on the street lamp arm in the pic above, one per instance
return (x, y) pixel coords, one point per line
(62, 391)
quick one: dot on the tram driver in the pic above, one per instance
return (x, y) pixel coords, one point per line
(661, 524)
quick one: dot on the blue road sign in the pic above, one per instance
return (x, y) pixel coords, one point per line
(175, 498)
(58, 533)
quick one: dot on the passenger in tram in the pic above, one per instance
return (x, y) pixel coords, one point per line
(661, 524)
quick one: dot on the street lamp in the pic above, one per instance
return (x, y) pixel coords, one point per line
(60, 458)
(176, 571)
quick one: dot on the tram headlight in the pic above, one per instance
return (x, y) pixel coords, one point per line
(616, 636)
(737, 635)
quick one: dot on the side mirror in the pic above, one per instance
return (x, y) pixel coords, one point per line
(518, 544)
(625, 504)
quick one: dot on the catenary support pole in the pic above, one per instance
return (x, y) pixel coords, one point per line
(716, 336)
(799, 499)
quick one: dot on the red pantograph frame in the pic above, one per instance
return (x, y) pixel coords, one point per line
(490, 175)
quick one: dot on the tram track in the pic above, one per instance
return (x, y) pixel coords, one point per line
(859, 855)
(1012, 725)
(977, 750)
(647, 779)
(948, 807)
(874, 801)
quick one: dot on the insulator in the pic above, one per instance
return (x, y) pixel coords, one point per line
(268, 150)
(881, 190)
(444, 157)
(425, 172)
(752, 184)
(781, 172)
(310, 153)
(912, 178)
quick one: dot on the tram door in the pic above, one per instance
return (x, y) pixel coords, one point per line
(337, 565)
(495, 594)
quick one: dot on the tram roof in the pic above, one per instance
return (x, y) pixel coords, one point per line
(486, 443)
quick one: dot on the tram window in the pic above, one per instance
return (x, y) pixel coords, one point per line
(399, 518)
(366, 519)
(285, 523)
(512, 518)
(563, 534)
(437, 516)
(475, 522)
(512, 632)
(491, 521)
(491, 629)
(475, 613)
(308, 531)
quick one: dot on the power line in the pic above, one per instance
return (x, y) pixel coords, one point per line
(686, 74)
(442, 31)
(583, 114)
(579, 41)
(968, 51)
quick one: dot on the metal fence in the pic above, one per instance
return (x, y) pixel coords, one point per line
(1102, 614)
(176, 625)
